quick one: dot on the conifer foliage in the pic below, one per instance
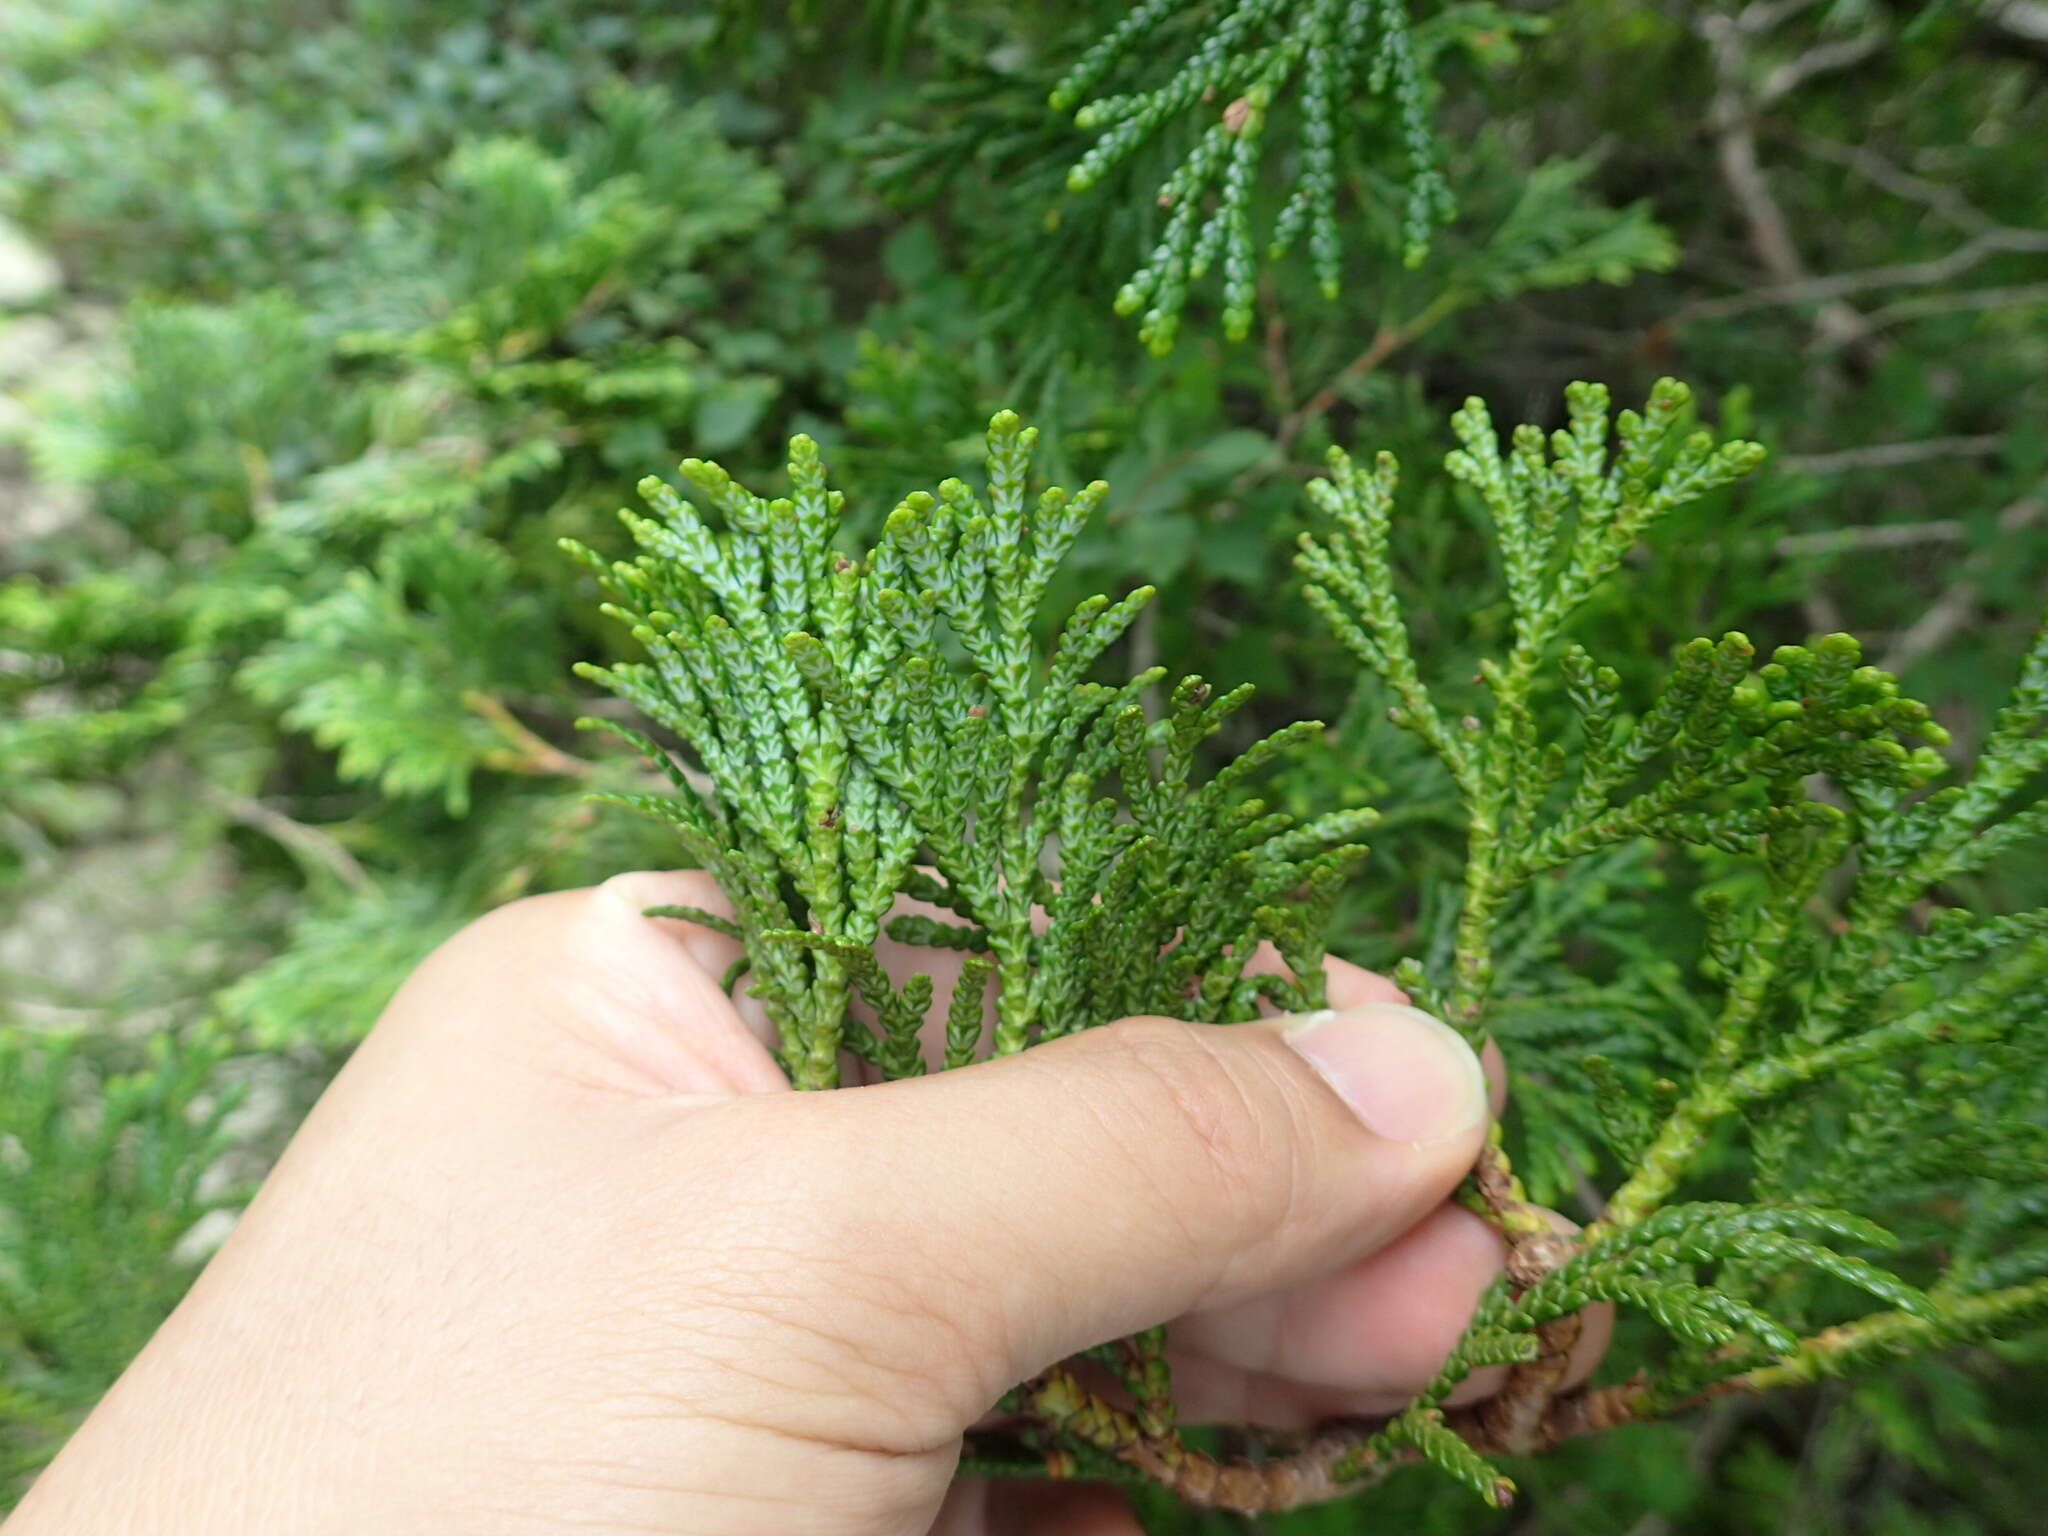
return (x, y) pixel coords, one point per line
(857, 712)
(878, 725)
(1825, 1051)
(365, 307)
(106, 1166)
(1233, 65)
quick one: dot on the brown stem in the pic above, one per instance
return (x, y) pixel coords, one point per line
(1514, 1418)
(1335, 1460)
(1149, 1381)
(314, 843)
(1587, 1411)
(531, 753)
(1385, 343)
(1388, 340)
(1278, 373)
(1342, 1457)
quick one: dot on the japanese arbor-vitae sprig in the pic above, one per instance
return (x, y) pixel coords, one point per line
(1875, 1051)
(880, 725)
(883, 750)
(1236, 68)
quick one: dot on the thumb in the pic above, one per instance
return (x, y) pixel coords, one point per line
(1111, 1180)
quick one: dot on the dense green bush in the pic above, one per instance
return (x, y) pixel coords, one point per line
(407, 293)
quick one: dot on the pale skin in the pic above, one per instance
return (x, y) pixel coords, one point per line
(559, 1250)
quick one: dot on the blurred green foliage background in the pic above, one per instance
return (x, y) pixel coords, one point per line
(359, 305)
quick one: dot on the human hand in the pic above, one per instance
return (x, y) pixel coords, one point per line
(559, 1249)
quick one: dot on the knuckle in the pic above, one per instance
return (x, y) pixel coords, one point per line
(508, 930)
(853, 1290)
(1220, 1141)
(489, 947)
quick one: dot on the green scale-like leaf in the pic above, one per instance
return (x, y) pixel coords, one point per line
(882, 726)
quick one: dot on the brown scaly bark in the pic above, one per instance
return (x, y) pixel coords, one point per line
(1316, 1471)
(1526, 1416)
(1515, 1417)
(1334, 1461)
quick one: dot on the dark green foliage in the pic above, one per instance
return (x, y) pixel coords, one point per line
(1246, 59)
(110, 1158)
(843, 743)
(351, 537)
(1226, 136)
(326, 394)
(1815, 1029)
(816, 686)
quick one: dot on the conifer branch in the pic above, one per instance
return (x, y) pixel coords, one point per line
(883, 724)
(1723, 758)
(1246, 60)
(886, 724)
